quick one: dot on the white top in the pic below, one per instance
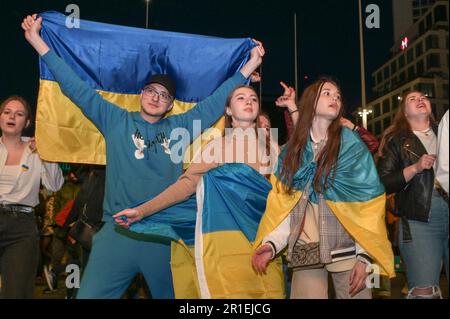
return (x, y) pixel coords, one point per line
(442, 153)
(32, 170)
(8, 178)
(428, 139)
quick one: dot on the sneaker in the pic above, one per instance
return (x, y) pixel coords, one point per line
(50, 277)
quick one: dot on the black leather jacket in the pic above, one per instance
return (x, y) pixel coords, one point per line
(413, 199)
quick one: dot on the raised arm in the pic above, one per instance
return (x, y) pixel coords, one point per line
(178, 192)
(287, 101)
(91, 103)
(211, 109)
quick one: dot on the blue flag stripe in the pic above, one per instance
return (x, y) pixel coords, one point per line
(120, 59)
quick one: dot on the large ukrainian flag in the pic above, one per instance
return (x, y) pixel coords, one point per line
(117, 61)
(356, 197)
(230, 202)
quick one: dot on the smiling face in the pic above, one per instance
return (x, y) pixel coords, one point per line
(155, 101)
(329, 103)
(417, 105)
(243, 107)
(13, 118)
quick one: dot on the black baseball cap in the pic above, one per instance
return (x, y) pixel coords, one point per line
(165, 81)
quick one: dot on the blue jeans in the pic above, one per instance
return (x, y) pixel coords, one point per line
(19, 254)
(115, 260)
(429, 246)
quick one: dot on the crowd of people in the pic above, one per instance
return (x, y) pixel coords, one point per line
(314, 207)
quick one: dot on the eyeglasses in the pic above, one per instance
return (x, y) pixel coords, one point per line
(150, 91)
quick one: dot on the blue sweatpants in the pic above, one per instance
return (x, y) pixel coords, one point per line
(116, 259)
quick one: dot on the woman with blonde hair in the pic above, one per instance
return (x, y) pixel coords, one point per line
(21, 173)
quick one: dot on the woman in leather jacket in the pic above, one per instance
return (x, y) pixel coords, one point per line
(406, 169)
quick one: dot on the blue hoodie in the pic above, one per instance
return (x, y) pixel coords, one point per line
(139, 166)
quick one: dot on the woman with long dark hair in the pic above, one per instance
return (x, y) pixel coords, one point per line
(406, 168)
(326, 204)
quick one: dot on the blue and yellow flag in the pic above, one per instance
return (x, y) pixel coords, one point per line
(356, 197)
(230, 202)
(117, 61)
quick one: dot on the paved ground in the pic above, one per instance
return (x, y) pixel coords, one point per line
(396, 287)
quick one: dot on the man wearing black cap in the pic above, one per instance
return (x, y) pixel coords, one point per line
(139, 166)
(157, 97)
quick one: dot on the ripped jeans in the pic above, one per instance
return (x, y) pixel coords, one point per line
(423, 256)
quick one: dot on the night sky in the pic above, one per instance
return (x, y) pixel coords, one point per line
(328, 37)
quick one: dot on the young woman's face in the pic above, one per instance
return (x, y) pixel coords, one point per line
(417, 105)
(329, 103)
(244, 106)
(13, 118)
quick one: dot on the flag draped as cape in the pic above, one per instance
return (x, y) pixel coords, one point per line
(356, 197)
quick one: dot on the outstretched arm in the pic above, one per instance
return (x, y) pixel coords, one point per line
(91, 103)
(179, 191)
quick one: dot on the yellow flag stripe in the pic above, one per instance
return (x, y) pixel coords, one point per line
(64, 134)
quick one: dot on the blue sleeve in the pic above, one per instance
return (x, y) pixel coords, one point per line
(210, 109)
(92, 104)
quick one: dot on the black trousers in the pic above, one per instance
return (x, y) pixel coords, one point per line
(19, 254)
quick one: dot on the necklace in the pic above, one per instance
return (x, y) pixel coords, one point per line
(317, 145)
(425, 132)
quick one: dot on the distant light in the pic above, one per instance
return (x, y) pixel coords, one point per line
(306, 77)
(399, 98)
(405, 42)
(365, 112)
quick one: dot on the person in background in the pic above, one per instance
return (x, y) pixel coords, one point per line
(442, 155)
(406, 168)
(64, 201)
(87, 211)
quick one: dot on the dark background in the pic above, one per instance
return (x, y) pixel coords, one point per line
(327, 30)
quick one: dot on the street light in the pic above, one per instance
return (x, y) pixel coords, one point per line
(361, 58)
(147, 4)
(364, 114)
